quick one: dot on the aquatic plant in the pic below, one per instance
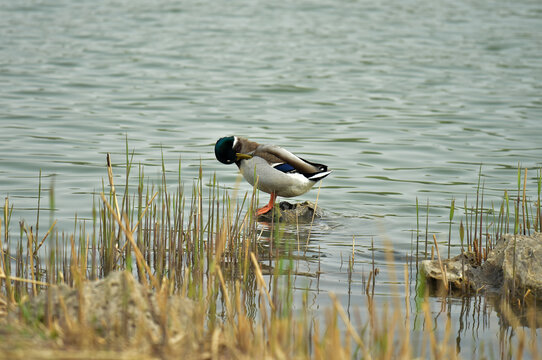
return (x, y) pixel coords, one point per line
(207, 247)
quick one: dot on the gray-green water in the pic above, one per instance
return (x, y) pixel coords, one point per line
(402, 99)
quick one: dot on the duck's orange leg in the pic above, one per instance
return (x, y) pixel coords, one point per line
(267, 207)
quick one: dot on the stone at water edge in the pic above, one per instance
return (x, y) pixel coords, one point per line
(528, 262)
(459, 270)
(498, 272)
(305, 212)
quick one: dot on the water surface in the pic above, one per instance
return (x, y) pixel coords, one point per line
(402, 99)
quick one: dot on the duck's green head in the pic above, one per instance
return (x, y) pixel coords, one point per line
(225, 152)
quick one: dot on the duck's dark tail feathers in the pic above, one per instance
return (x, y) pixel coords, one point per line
(319, 176)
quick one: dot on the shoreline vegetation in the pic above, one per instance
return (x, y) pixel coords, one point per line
(205, 251)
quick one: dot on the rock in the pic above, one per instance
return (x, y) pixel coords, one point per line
(514, 265)
(118, 307)
(459, 270)
(525, 272)
(304, 212)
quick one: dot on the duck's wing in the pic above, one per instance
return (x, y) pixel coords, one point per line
(283, 160)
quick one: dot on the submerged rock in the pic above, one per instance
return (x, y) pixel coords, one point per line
(514, 265)
(118, 307)
(303, 212)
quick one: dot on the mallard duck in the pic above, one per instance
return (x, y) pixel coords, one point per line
(275, 170)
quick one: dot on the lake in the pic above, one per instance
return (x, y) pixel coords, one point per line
(404, 100)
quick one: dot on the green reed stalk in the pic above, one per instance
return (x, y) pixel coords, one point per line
(516, 231)
(476, 235)
(526, 225)
(417, 232)
(502, 217)
(539, 207)
(129, 161)
(494, 224)
(517, 228)
(461, 235)
(481, 222)
(38, 212)
(507, 199)
(467, 224)
(5, 256)
(426, 228)
(452, 208)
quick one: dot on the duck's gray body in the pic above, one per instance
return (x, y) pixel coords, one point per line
(273, 180)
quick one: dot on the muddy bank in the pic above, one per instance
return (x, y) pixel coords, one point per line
(513, 267)
(117, 309)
